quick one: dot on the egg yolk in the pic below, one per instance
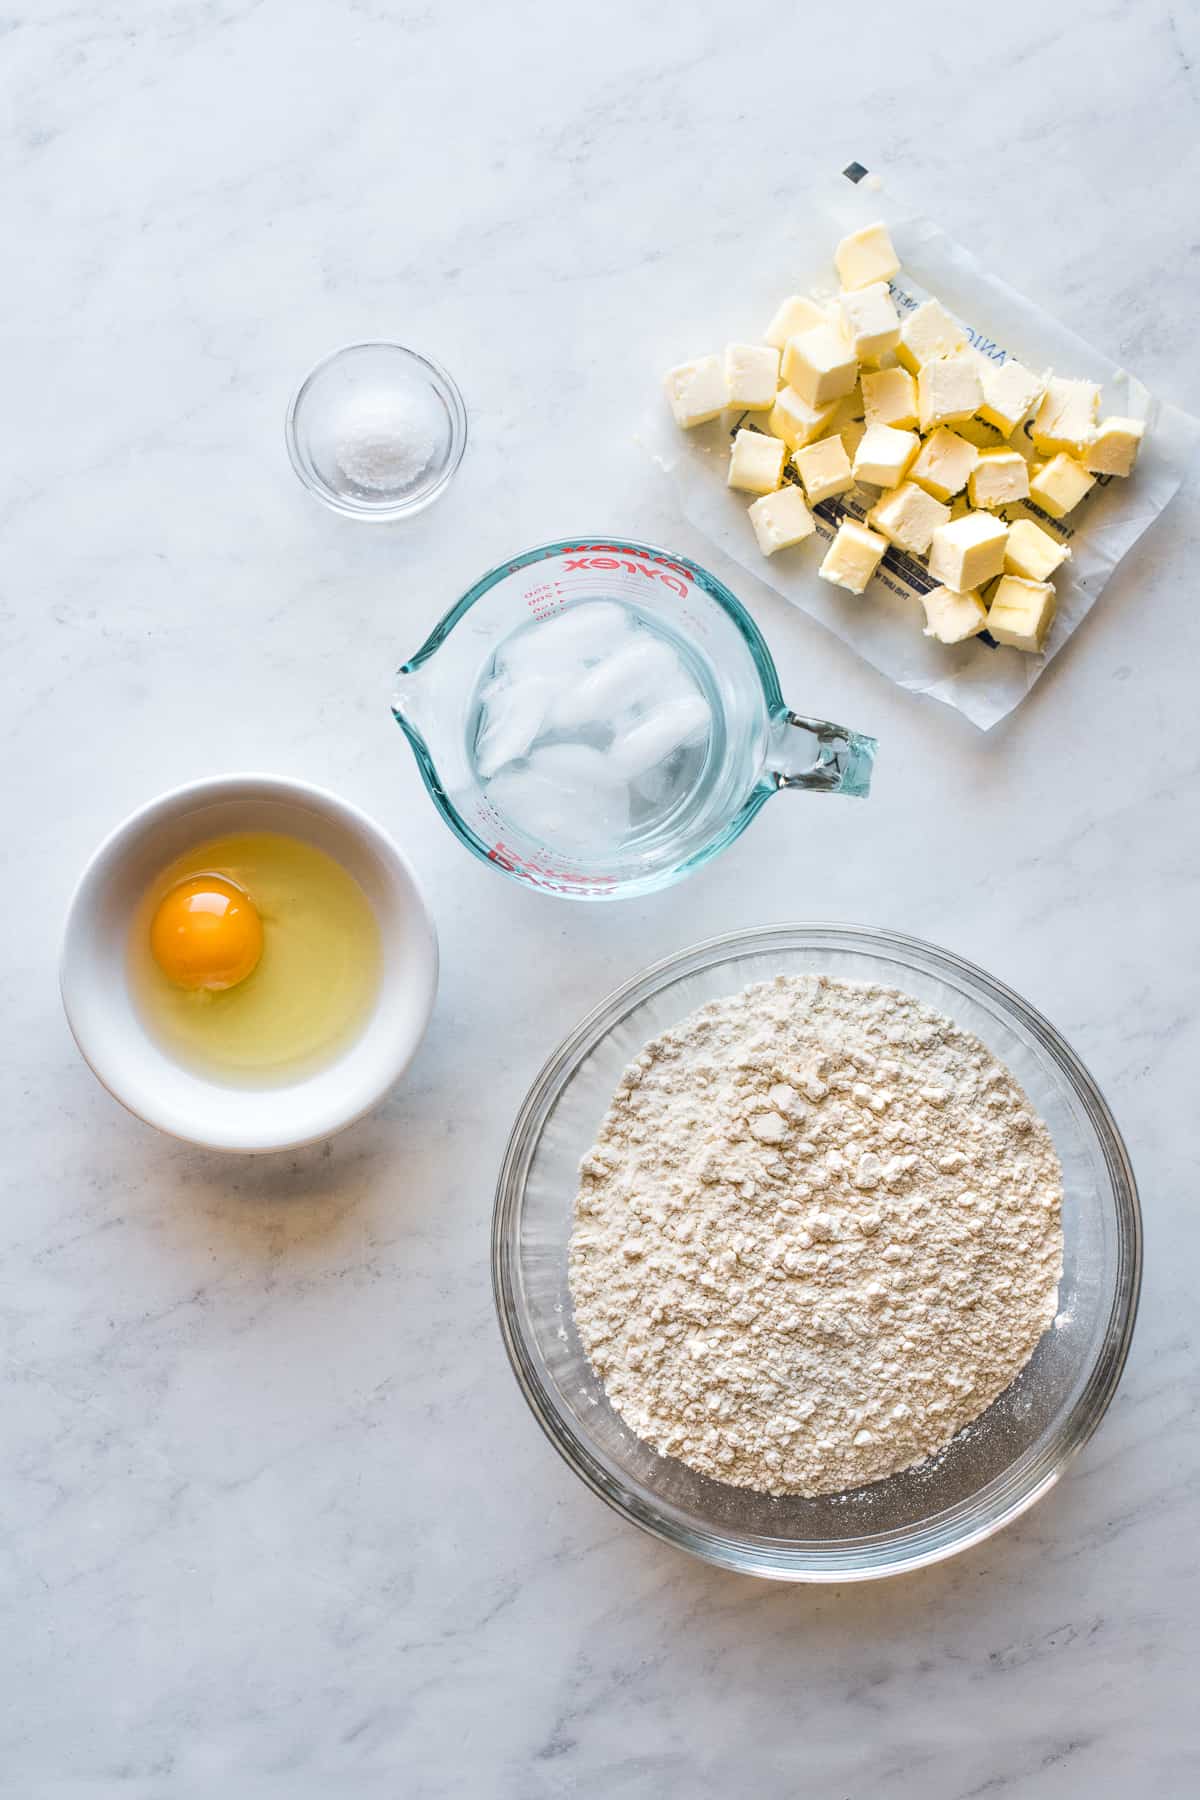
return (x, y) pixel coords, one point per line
(206, 933)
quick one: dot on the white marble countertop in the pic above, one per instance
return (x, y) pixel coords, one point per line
(275, 1517)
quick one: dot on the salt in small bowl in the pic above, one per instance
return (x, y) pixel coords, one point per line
(376, 431)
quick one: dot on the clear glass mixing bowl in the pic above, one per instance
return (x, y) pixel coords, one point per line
(994, 1469)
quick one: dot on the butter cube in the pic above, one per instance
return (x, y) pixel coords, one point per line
(1113, 450)
(944, 463)
(952, 618)
(1066, 419)
(890, 398)
(927, 334)
(751, 376)
(756, 462)
(884, 454)
(796, 314)
(853, 557)
(820, 365)
(1009, 390)
(1021, 612)
(908, 517)
(948, 389)
(781, 520)
(865, 257)
(870, 321)
(697, 391)
(824, 469)
(795, 421)
(968, 551)
(1059, 485)
(1032, 552)
(999, 478)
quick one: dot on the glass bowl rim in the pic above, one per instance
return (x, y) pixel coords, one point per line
(450, 393)
(859, 1559)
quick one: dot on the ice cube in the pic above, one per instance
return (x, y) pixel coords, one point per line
(575, 815)
(664, 729)
(577, 766)
(631, 676)
(532, 803)
(596, 793)
(566, 641)
(672, 684)
(513, 713)
(653, 786)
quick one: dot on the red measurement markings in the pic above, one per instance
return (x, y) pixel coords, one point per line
(544, 599)
(542, 875)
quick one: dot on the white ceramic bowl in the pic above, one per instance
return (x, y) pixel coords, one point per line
(109, 1030)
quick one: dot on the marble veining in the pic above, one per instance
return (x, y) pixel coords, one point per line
(275, 1518)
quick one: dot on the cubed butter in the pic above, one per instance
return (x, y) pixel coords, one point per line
(968, 551)
(927, 334)
(944, 463)
(820, 365)
(781, 520)
(853, 556)
(948, 389)
(869, 321)
(795, 421)
(1009, 390)
(908, 517)
(952, 618)
(697, 391)
(1032, 552)
(824, 469)
(883, 455)
(756, 462)
(1113, 450)
(890, 398)
(796, 314)
(752, 376)
(1021, 612)
(1059, 485)
(866, 256)
(999, 478)
(1066, 419)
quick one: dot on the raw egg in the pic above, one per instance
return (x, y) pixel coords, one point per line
(255, 958)
(206, 933)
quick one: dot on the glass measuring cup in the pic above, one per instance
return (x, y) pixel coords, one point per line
(755, 745)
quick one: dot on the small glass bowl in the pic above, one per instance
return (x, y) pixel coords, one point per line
(343, 406)
(995, 1468)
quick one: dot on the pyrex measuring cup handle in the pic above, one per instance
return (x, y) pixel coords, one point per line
(824, 758)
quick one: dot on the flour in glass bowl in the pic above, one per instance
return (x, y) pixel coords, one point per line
(818, 1234)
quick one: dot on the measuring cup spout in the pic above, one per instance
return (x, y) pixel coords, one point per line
(820, 757)
(411, 697)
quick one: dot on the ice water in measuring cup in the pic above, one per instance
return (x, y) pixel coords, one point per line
(591, 729)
